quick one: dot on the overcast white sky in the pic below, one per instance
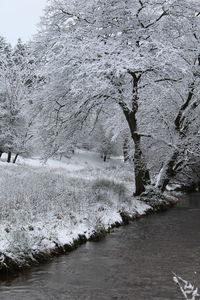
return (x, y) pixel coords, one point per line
(18, 18)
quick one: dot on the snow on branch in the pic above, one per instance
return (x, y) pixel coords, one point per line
(142, 134)
(164, 13)
(168, 79)
(187, 289)
(78, 17)
(193, 153)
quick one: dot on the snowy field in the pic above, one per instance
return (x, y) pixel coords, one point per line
(44, 206)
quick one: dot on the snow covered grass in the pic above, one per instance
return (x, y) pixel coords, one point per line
(47, 206)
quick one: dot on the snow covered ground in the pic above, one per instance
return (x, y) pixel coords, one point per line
(44, 206)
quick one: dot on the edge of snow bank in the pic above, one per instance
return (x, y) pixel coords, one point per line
(12, 264)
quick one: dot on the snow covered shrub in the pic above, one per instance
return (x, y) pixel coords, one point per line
(153, 197)
(19, 240)
(187, 289)
(118, 188)
(109, 191)
(32, 194)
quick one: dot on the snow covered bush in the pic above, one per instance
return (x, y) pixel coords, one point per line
(189, 291)
(154, 197)
(103, 187)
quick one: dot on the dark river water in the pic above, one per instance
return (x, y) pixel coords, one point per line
(134, 262)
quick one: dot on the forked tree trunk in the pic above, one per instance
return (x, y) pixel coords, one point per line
(15, 158)
(167, 172)
(9, 157)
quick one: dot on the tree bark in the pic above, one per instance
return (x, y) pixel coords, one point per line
(167, 172)
(9, 157)
(126, 149)
(180, 116)
(15, 158)
(142, 176)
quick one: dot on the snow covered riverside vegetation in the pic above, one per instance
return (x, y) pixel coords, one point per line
(52, 208)
(189, 291)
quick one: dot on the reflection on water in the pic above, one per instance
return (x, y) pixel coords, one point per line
(190, 201)
(134, 262)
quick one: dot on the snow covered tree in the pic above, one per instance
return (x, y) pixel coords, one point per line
(128, 53)
(17, 80)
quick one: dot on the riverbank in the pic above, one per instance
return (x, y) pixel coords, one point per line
(50, 210)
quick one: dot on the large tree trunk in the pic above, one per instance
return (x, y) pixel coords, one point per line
(142, 176)
(15, 158)
(167, 172)
(9, 157)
